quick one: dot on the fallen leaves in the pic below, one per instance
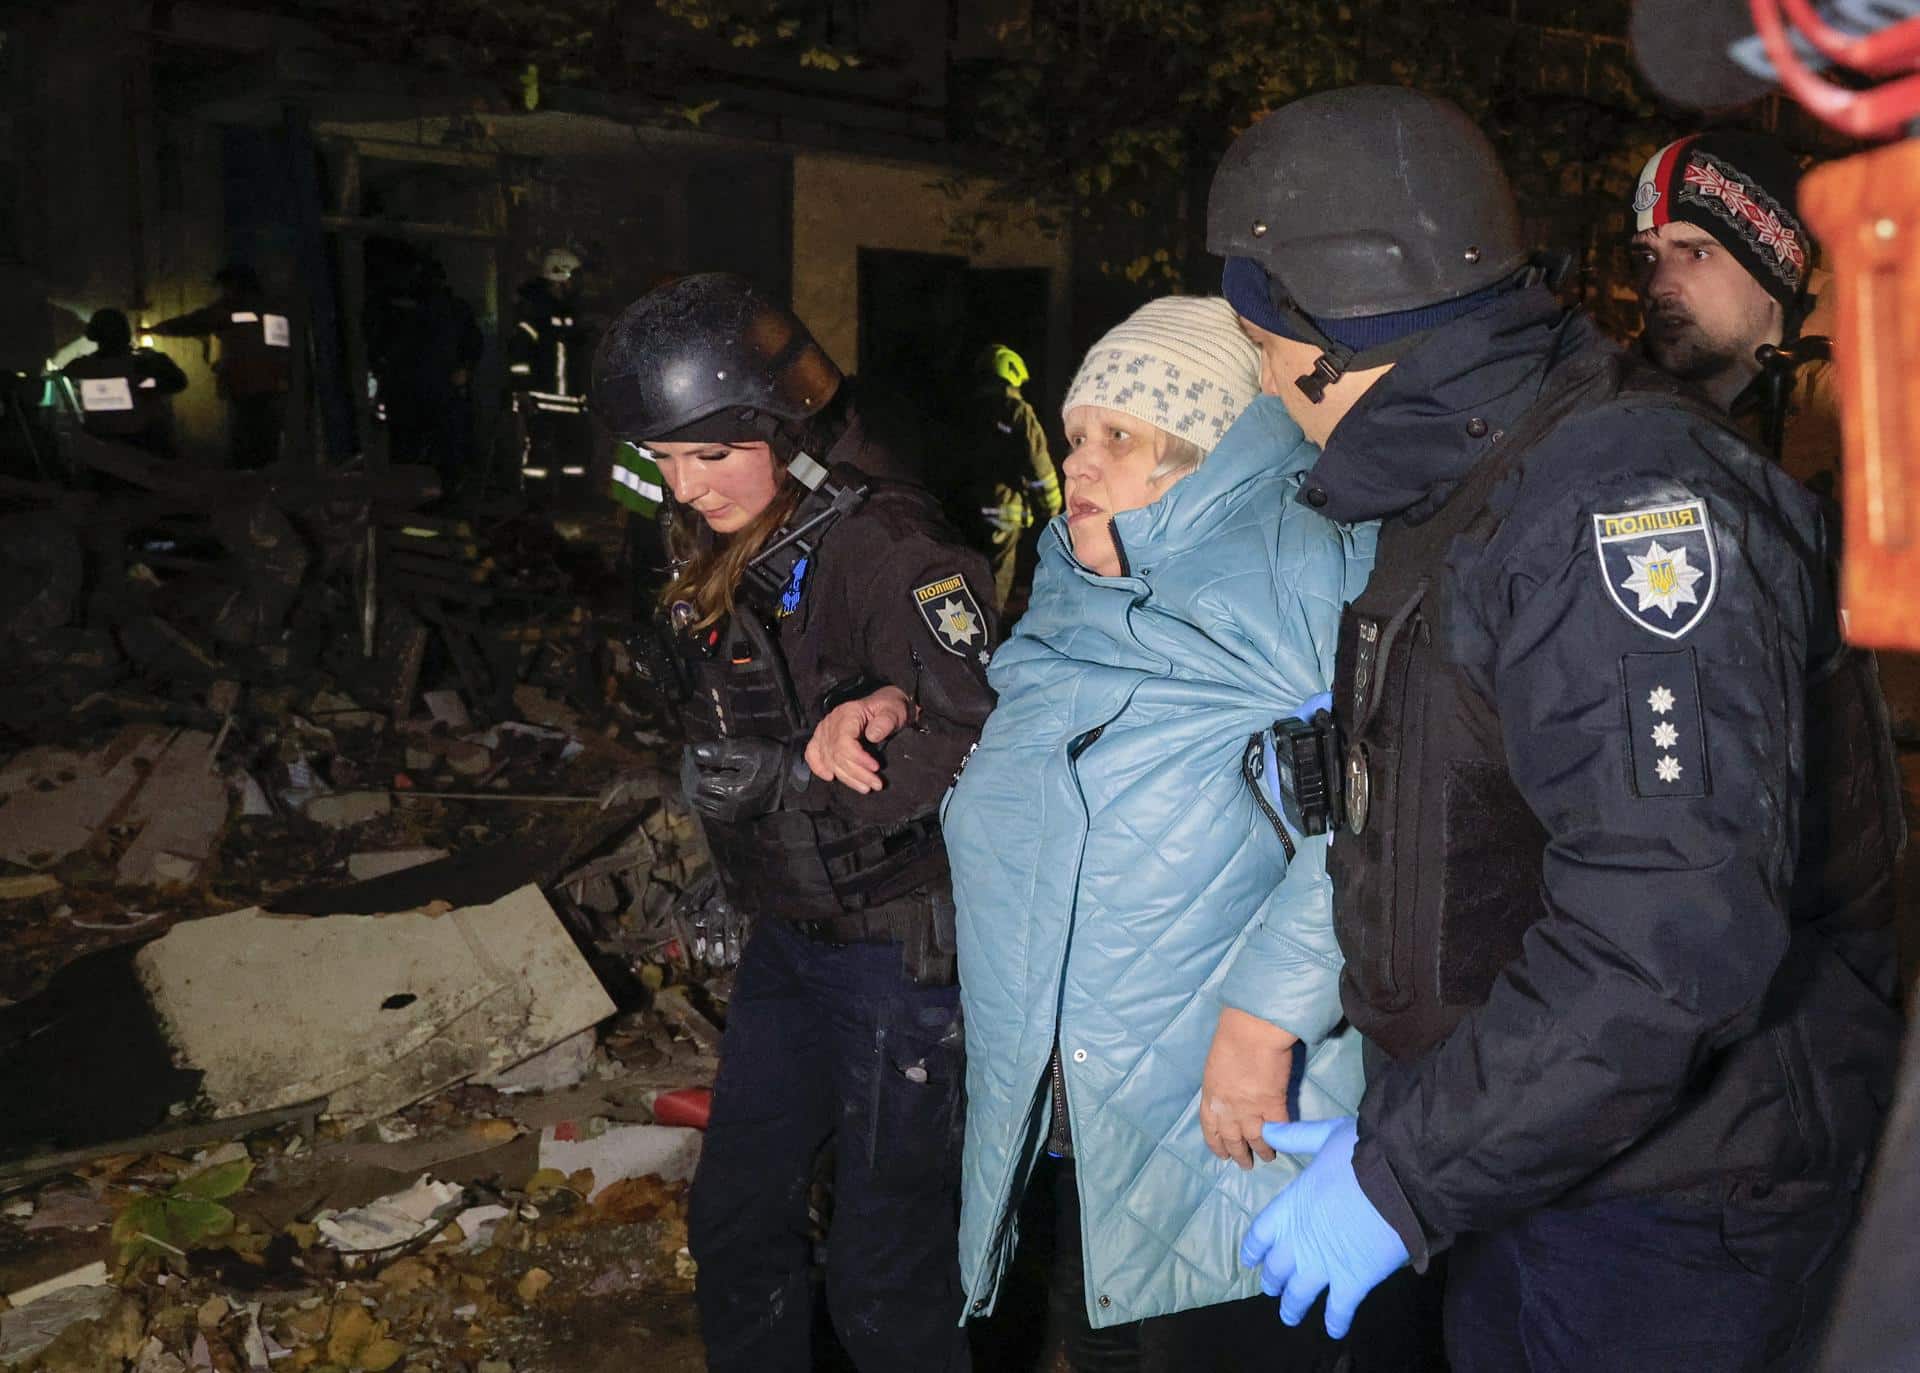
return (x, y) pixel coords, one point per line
(532, 1283)
(186, 1215)
(356, 1340)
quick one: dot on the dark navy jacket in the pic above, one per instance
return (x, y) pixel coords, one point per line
(1641, 625)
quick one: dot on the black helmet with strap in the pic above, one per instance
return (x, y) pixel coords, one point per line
(709, 357)
(1367, 202)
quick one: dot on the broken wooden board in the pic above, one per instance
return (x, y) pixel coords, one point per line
(372, 1012)
(181, 810)
(53, 801)
(156, 781)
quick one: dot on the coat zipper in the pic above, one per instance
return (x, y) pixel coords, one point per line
(1118, 547)
(1059, 1132)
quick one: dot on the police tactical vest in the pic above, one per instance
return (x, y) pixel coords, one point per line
(800, 861)
(1437, 869)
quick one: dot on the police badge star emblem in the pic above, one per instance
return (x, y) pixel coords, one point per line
(952, 615)
(1659, 564)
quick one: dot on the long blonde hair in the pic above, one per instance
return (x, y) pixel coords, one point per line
(711, 565)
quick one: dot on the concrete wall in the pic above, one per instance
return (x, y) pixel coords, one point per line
(843, 204)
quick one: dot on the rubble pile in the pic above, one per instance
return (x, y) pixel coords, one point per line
(247, 1257)
(360, 1008)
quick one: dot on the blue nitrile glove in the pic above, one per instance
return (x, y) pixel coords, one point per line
(1321, 1232)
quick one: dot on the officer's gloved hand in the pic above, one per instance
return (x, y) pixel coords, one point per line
(1313, 704)
(736, 779)
(1321, 1232)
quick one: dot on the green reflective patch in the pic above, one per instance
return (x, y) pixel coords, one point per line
(637, 483)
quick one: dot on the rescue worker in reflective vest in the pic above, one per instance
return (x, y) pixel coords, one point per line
(1731, 294)
(547, 367)
(830, 635)
(122, 390)
(1613, 852)
(1006, 475)
(255, 365)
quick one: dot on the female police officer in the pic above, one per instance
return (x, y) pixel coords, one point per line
(830, 637)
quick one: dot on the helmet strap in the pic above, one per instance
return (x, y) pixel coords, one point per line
(1336, 358)
(1328, 368)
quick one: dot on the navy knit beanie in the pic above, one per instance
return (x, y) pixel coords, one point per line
(1244, 284)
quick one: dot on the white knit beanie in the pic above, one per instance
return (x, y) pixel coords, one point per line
(1180, 363)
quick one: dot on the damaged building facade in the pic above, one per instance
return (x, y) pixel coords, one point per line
(146, 146)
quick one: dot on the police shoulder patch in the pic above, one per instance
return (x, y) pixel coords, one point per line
(1659, 564)
(951, 614)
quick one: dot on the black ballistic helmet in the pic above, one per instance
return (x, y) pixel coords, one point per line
(708, 357)
(1366, 201)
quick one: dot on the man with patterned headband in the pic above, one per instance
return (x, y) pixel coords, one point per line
(1728, 288)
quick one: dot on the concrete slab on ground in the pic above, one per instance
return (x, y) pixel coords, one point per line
(372, 1012)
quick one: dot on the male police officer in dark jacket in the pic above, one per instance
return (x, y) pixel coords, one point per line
(831, 636)
(1612, 871)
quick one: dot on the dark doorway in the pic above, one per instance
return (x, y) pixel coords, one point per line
(912, 322)
(924, 318)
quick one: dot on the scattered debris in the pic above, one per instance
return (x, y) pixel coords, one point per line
(181, 809)
(32, 1325)
(551, 1069)
(448, 709)
(87, 1275)
(364, 866)
(615, 1152)
(339, 810)
(210, 738)
(54, 801)
(61, 1209)
(683, 1106)
(20, 888)
(477, 1224)
(392, 1222)
(154, 1358)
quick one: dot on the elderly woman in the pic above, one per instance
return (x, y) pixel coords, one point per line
(1147, 961)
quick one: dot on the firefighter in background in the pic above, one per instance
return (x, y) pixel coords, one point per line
(255, 366)
(123, 391)
(549, 355)
(1006, 474)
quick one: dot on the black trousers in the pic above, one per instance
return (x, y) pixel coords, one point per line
(1397, 1329)
(1640, 1284)
(254, 426)
(832, 1044)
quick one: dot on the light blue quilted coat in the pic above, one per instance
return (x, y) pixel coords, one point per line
(1118, 898)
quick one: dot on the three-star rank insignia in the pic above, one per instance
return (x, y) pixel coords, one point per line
(952, 615)
(1667, 742)
(1659, 564)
